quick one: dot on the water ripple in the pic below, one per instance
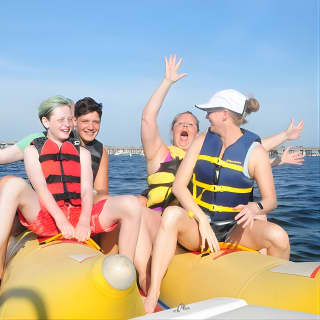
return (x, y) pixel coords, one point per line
(297, 187)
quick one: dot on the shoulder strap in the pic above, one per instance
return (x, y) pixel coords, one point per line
(38, 143)
(76, 143)
(176, 152)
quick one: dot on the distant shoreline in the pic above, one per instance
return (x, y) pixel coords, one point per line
(122, 150)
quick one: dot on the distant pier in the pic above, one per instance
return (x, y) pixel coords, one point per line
(306, 151)
(131, 150)
(6, 144)
(120, 150)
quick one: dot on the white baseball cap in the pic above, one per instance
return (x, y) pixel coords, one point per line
(230, 99)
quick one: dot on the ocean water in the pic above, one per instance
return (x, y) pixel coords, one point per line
(297, 187)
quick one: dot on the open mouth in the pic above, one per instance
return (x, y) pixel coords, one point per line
(184, 134)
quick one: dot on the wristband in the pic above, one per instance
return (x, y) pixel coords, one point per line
(190, 214)
(259, 204)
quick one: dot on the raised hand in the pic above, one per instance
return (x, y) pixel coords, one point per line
(293, 132)
(172, 69)
(296, 158)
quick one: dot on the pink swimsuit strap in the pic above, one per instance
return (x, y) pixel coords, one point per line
(168, 158)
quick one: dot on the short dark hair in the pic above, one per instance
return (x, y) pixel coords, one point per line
(87, 105)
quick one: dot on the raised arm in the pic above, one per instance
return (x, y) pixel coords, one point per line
(154, 148)
(35, 175)
(182, 193)
(293, 132)
(101, 182)
(82, 230)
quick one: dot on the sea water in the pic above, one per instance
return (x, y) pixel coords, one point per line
(297, 188)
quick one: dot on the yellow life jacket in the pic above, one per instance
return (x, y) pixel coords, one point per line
(160, 183)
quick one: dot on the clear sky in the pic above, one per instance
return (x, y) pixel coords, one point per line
(113, 51)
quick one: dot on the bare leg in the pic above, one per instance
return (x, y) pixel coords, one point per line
(175, 226)
(14, 194)
(150, 223)
(264, 234)
(109, 240)
(4, 179)
(17, 227)
(126, 210)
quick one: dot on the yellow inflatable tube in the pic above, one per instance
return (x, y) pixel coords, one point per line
(258, 279)
(62, 280)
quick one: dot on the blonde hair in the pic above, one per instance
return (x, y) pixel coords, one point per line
(251, 105)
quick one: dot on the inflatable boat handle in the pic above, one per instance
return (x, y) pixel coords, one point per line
(90, 242)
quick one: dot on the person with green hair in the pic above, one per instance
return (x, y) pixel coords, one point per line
(87, 121)
(61, 197)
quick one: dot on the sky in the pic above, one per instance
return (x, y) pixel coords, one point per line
(113, 51)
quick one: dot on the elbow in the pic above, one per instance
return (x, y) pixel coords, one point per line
(274, 204)
(175, 189)
(178, 190)
(145, 120)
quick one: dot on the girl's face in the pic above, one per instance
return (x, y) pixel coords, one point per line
(59, 124)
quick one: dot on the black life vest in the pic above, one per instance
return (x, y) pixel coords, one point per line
(96, 150)
(61, 169)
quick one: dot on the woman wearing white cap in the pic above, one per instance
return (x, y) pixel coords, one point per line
(184, 128)
(222, 164)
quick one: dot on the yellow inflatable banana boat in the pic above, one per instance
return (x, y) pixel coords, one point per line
(64, 280)
(258, 279)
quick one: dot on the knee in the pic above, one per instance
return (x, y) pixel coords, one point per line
(279, 237)
(131, 206)
(171, 217)
(13, 185)
(9, 181)
(4, 180)
(143, 200)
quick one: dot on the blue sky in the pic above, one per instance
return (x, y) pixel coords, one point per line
(113, 51)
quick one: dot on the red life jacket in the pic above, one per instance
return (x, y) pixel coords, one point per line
(61, 169)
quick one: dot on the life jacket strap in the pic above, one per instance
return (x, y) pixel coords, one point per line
(220, 162)
(155, 185)
(59, 157)
(56, 178)
(66, 196)
(218, 188)
(214, 207)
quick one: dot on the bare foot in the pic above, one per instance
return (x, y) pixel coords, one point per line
(263, 251)
(150, 303)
